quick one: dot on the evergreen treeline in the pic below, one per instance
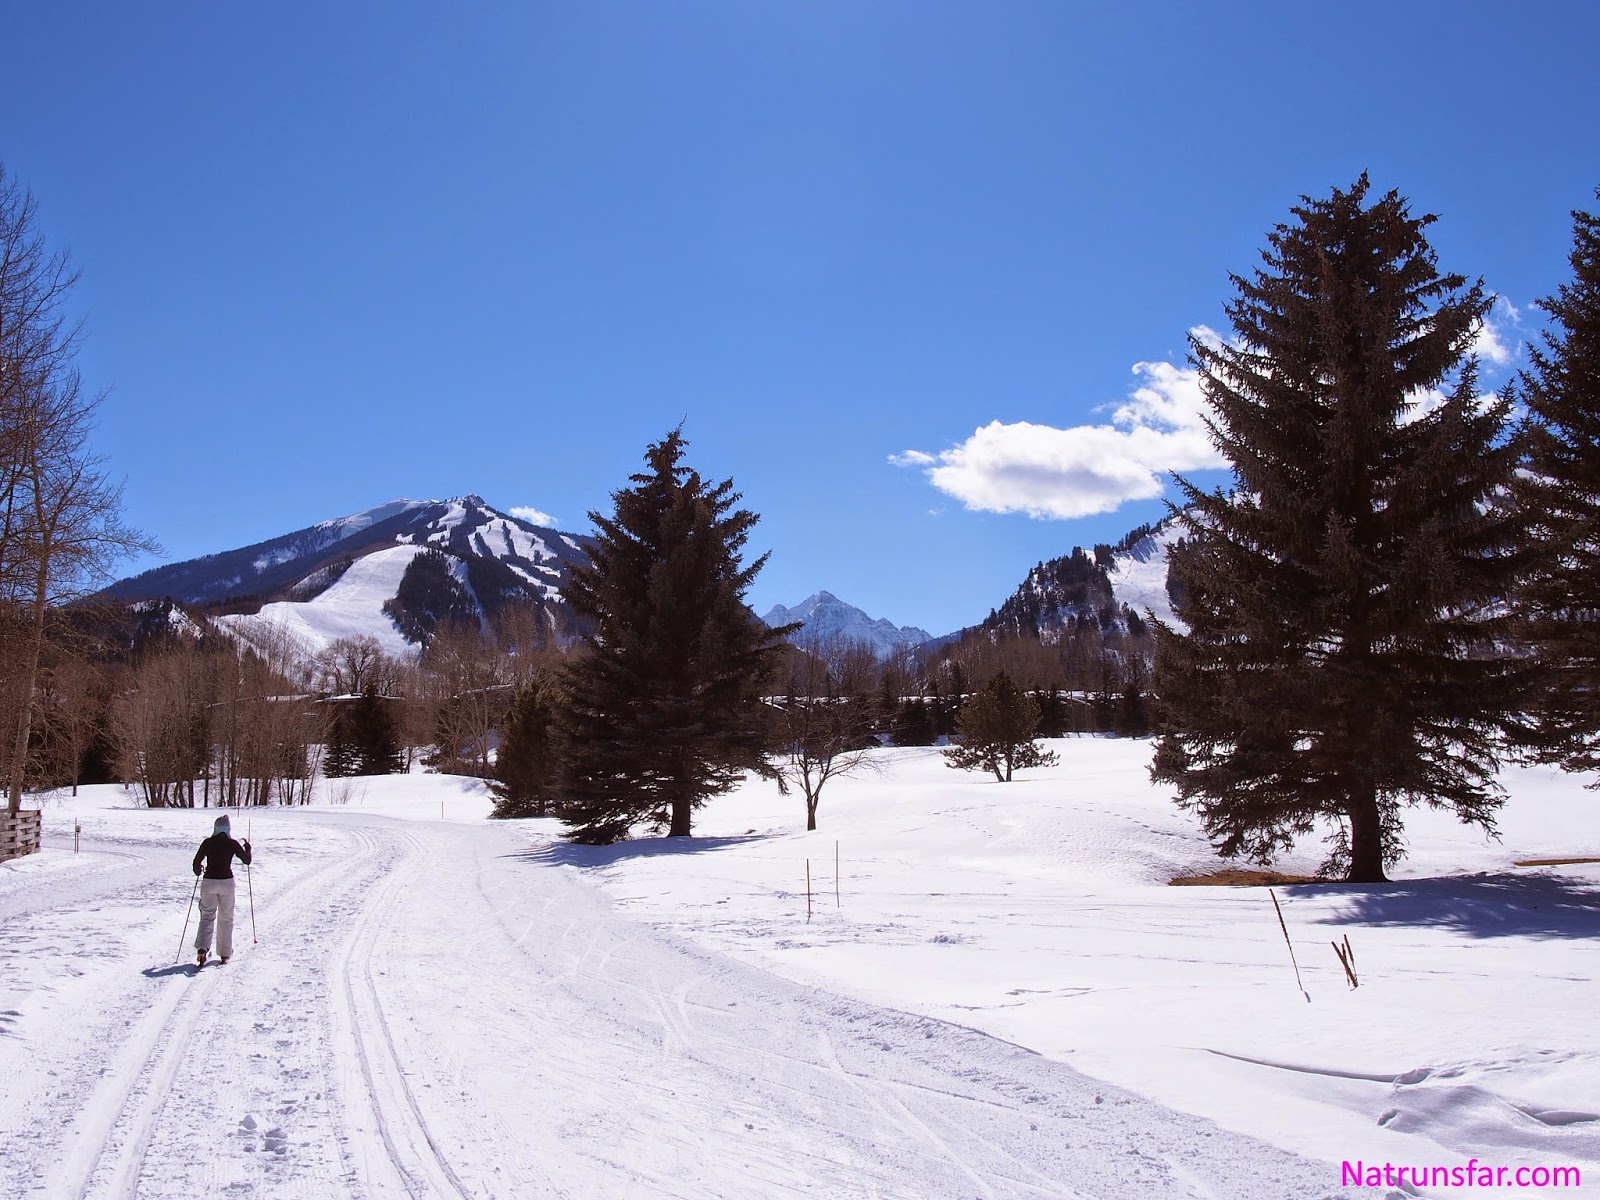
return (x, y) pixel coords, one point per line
(1396, 596)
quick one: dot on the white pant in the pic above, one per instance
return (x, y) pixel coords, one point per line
(216, 910)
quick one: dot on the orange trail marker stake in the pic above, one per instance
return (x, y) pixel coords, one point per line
(808, 891)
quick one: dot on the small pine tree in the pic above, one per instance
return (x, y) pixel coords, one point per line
(665, 709)
(373, 735)
(1561, 488)
(339, 755)
(527, 766)
(913, 724)
(994, 732)
(1345, 605)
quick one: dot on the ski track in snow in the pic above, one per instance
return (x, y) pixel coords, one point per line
(438, 1010)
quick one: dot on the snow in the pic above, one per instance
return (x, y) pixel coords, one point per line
(344, 527)
(1038, 912)
(283, 554)
(1007, 1001)
(351, 607)
(549, 590)
(1139, 577)
(506, 539)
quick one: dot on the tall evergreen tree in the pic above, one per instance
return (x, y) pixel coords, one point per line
(994, 732)
(1344, 603)
(527, 766)
(665, 708)
(1562, 491)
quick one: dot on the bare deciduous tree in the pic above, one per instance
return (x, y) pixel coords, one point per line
(60, 514)
(349, 666)
(824, 722)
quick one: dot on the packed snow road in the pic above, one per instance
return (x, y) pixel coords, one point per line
(439, 1010)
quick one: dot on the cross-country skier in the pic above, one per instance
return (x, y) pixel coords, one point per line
(216, 890)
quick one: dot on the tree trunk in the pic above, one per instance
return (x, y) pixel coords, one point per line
(811, 813)
(27, 673)
(1366, 839)
(682, 803)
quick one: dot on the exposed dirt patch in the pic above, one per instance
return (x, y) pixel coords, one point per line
(1554, 862)
(1242, 877)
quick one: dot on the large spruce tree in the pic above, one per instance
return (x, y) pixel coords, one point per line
(664, 709)
(1562, 491)
(1345, 601)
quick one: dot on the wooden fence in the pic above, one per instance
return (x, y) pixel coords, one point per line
(19, 834)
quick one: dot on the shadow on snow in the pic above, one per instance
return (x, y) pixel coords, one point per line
(571, 854)
(1481, 906)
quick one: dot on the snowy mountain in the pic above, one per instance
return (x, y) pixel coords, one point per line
(826, 616)
(1096, 586)
(1138, 573)
(371, 574)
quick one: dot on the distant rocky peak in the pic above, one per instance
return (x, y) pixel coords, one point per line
(824, 615)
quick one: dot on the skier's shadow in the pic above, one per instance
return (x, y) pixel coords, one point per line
(173, 969)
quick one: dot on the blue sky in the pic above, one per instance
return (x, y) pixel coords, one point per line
(891, 264)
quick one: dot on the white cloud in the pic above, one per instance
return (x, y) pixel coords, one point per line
(1045, 471)
(1490, 344)
(533, 516)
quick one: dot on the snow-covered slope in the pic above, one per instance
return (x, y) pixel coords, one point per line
(1138, 575)
(352, 607)
(827, 617)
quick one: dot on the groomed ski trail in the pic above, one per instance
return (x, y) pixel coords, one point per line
(438, 1010)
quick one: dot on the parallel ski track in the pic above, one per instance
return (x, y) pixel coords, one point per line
(419, 1165)
(103, 1155)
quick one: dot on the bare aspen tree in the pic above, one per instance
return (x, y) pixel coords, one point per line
(465, 676)
(824, 721)
(60, 514)
(348, 666)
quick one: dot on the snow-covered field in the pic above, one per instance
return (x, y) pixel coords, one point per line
(1006, 999)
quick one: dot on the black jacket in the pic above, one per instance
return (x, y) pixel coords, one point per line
(219, 850)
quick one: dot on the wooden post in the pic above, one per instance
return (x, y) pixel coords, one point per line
(1288, 943)
(836, 874)
(808, 891)
(77, 832)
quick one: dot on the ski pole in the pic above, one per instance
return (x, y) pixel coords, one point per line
(182, 936)
(249, 883)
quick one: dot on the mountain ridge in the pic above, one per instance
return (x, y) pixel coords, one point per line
(302, 581)
(825, 616)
